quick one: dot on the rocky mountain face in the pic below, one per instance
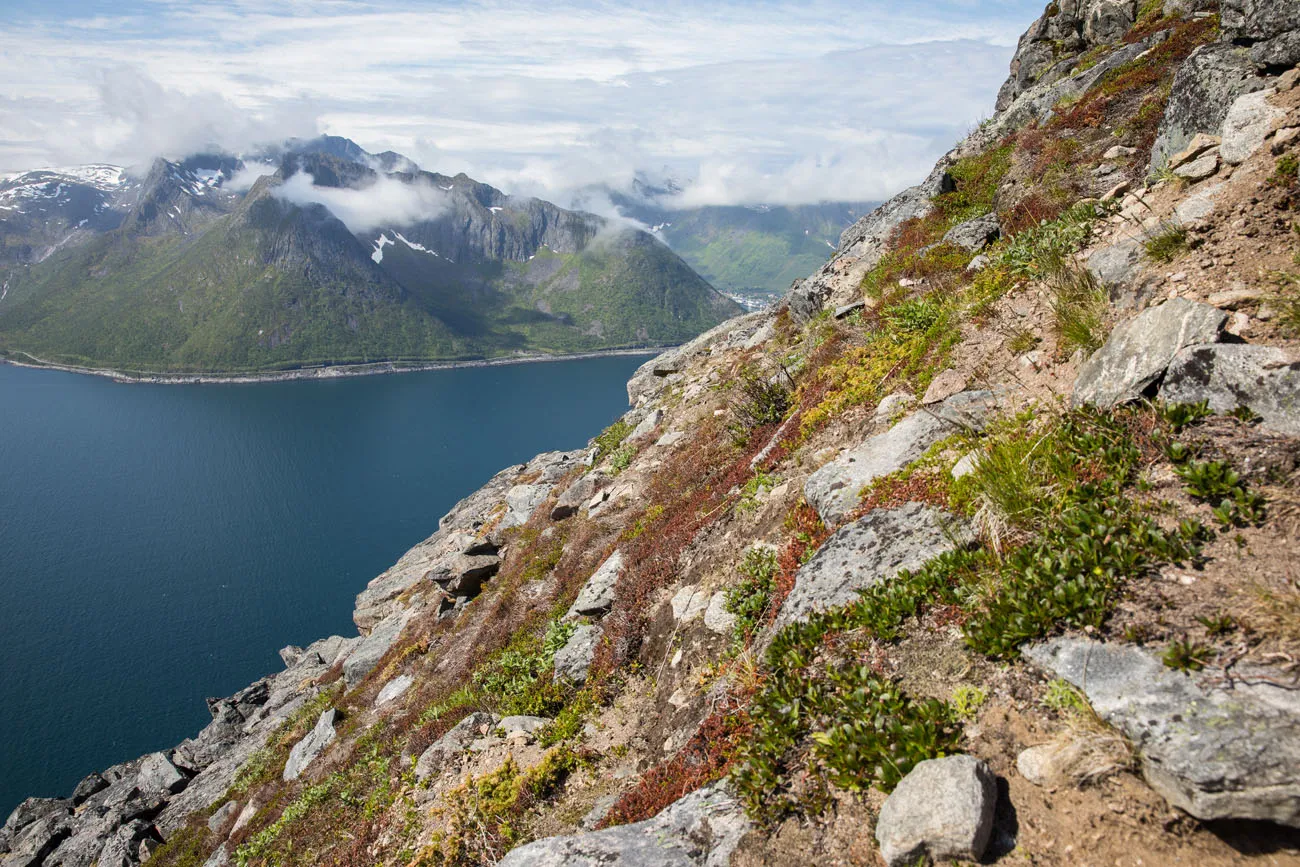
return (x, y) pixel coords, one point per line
(179, 271)
(979, 547)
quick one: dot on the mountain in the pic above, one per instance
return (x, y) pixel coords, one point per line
(178, 270)
(751, 252)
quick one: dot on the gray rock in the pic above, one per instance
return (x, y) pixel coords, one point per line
(88, 786)
(1262, 378)
(944, 386)
(1204, 88)
(1138, 351)
(576, 496)
(1193, 210)
(122, 848)
(83, 847)
(1248, 123)
(895, 404)
(974, 235)
(868, 551)
(965, 466)
(158, 774)
(1117, 265)
(1200, 168)
(846, 310)
(597, 595)
(34, 842)
(648, 424)
(1215, 753)
(834, 490)
(453, 743)
(573, 660)
(223, 817)
(521, 502)
(598, 812)
(32, 810)
(394, 689)
(670, 439)
(651, 378)
(701, 829)
(943, 810)
(311, 745)
(463, 575)
(1270, 27)
(522, 726)
(716, 617)
(366, 655)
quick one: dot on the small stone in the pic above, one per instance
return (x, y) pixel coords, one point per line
(1200, 143)
(394, 689)
(1287, 80)
(1283, 138)
(1119, 152)
(1116, 191)
(942, 810)
(1180, 277)
(847, 309)
(597, 595)
(979, 263)
(522, 727)
(965, 466)
(944, 386)
(716, 617)
(893, 405)
(1200, 168)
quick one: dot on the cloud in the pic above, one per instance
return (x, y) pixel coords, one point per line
(756, 101)
(387, 203)
(243, 180)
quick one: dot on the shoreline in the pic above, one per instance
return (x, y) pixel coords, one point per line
(372, 368)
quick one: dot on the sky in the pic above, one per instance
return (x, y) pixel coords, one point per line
(775, 102)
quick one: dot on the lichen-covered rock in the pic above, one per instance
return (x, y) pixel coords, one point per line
(976, 234)
(1117, 265)
(597, 595)
(1247, 124)
(1270, 27)
(394, 689)
(1217, 754)
(307, 749)
(158, 774)
(576, 495)
(942, 810)
(1205, 87)
(573, 660)
(701, 829)
(1138, 351)
(868, 551)
(366, 655)
(834, 489)
(1229, 375)
(453, 743)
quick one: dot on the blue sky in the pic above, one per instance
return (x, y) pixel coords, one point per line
(770, 101)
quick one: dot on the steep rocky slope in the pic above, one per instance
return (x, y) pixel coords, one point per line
(981, 546)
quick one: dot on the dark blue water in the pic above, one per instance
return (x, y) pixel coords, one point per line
(158, 544)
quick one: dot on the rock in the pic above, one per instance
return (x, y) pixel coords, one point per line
(944, 386)
(453, 743)
(310, 746)
(648, 424)
(1263, 378)
(1214, 753)
(31, 811)
(1201, 144)
(363, 659)
(689, 603)
(716, 617)
(893, 405)
(597, 595)
(1271, 29)
(1192, 211)
(1204, 88)
(1248, 123)
(290, 655)
(979, 263)
(574, 659)
(845, 310)
(868, 551)
(1138, 351)
(219, 858)
(1200, 168)
(223, 816)
(1108, 21)
(965, 466)
(1050, 764)
(1284, 138)
(701, 829)
(1288, 80)
(576, 495)
(521, 502)
(1119, 152)
(87, 787)
(394, 689)
(1117, 265)
(974, 235)
(670, 439)
(1231, 299)
(522, 726)
(158, 774)
(598, 812)
(1116, 191)
(942, 810)
(33, 842)
(834, 490)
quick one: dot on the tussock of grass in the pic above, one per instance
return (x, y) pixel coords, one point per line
(1166, 243)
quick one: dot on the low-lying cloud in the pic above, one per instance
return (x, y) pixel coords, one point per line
(387, 203)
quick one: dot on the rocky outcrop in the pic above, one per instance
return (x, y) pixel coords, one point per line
(941, 811)
(453, 743)
(1249, 120)
(597, 595)
(1205, 87)
(835, 489)
(1269, 28)
(1226, 376)
(702, 829)
(651, 378)
(1215, 752)
(1138, 351)
(870, 550)
(307, 749)
(573, 660)
(974, 234)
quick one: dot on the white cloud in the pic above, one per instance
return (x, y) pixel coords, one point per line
(769, 100)
(387, 203)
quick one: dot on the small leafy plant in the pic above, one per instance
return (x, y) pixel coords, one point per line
(967, 700)
(1186, 655)
(749, 599)
(1181, 415)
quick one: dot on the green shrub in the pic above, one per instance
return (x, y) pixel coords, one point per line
(749, 599)
(622, 459)
(611, 438)
(1181, 415)
(760, 400)
(1217, 483)
(967, 700)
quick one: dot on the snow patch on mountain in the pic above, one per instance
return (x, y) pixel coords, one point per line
(380, 243)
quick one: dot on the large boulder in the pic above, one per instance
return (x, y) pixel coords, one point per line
(976, 234)
(870, 550)
(597, 596)
(1205, 87)
(1270, 27)
(1229, 375)
(834, 490)
(394, 689)
(701, 829)
(1249, 121)
(1216, 753)
(941, 811)
(1138, 351)
(1116, 266)
(366, 655)
(307, 749)
(573, 660)
(158, 774)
